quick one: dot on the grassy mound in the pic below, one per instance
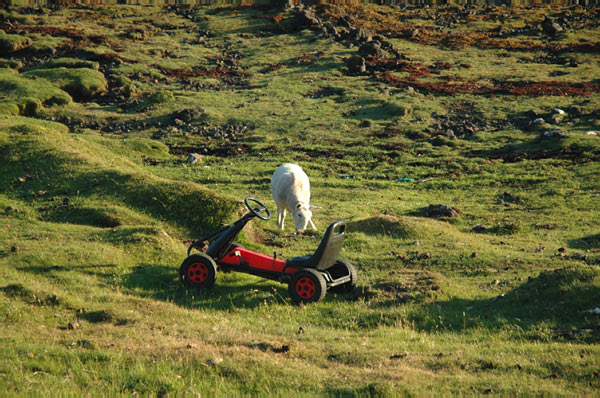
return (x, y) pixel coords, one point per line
(27, 96)
(10, 43)
(81, 83)
(82, 168)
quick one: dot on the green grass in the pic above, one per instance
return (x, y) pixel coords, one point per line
(98, 203)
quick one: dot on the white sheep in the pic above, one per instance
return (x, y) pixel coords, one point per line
(291, 192)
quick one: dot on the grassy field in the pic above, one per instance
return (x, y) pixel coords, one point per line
(464, 156)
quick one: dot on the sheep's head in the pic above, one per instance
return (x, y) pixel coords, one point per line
(302, 216)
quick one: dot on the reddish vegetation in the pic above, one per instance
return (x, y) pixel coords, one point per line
(390, 24)
(304, 59)
(416, 69)
(71, 33)
(217, 73)
(455, 86)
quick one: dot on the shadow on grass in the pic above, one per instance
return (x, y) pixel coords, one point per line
(558, 301)
(552, 147)
(231, 291)
(587, 242)
(171, 201)
(162, 283)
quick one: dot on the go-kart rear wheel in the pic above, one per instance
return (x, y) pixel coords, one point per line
(307, 286)
(343, 268)
(198, 271)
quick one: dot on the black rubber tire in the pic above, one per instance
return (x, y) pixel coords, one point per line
(307, 286)
(343, 267)
(198, 271)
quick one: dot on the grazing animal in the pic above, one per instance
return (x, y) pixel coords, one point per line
(291, 192)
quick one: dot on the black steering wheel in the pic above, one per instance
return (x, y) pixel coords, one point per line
(257, 211)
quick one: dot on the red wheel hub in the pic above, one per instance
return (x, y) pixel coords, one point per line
(306, 287)
(197, 272)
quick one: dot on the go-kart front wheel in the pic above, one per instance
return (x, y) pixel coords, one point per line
(198, 271)
(307, 286)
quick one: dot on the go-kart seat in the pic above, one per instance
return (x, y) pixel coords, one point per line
(327, 252)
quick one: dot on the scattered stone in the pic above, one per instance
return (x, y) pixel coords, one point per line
(356, 65)
(194, 158)
(437, 211)
(539, 120)
(362, 35)
(479, 229)
(284, 348)
(591, 133)
(425, 256)
(85, 344)
(399, 356)
(73, 325)
(188, 115)
(554, 133)
(575, 110)
(372, 48)
(214, 361)
(551, 27)
(558, 111)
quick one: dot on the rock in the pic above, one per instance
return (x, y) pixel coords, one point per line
(479, 229)
(73, 325)
(356, 64)
(591, 133)
(194, 158)
(214, 361)
(399, 356)
(539, 120)
(188, 115)
(575, 110)
(362, 35)
(372, 48)
(553, 134)
(437, 211)
(558, 111)
(330, 29)
(550, 27)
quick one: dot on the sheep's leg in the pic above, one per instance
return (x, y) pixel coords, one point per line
(312, 224)
(280, 217)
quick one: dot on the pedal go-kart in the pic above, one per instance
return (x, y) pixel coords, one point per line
(308, 277)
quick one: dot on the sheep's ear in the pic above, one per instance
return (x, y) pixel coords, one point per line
(299, 206)
(311, 207)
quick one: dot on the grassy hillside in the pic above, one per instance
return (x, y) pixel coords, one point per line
(461, 146)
